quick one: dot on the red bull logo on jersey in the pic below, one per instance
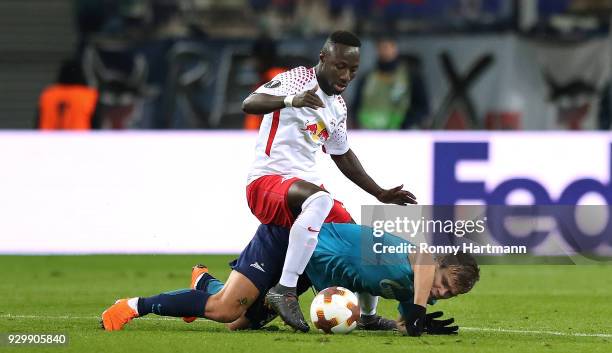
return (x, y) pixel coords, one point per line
(316, 130)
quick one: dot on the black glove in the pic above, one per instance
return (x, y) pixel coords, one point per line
(439, 327)
(415, 322)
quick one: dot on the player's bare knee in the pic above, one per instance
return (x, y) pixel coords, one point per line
(218, 309)
(213, 309)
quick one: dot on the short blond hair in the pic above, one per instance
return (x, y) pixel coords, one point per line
(463, 270)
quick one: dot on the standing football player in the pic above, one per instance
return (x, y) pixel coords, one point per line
(304, 112)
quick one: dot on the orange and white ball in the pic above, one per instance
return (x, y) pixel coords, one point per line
(335, 310)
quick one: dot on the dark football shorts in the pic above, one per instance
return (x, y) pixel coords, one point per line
(262, 262)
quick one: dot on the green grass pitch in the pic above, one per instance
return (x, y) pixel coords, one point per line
(524, 308)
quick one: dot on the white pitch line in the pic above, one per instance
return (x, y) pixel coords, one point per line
(535, 332)
(482, 329)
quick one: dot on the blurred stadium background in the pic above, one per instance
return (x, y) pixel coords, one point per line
(187, 64)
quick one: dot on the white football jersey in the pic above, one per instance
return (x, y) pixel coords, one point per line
(289, 138)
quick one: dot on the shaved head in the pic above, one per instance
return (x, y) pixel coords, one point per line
(341, 37)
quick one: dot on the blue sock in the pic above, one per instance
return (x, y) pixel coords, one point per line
(180, 303)
(209, 284)
(214, 286)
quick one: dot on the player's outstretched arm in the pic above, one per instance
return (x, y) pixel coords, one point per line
(350, 166)
(261, 103)
(424, 269)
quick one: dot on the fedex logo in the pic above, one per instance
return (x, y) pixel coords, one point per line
(448, 190)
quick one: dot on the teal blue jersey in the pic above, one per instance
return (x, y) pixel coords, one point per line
(345, 257)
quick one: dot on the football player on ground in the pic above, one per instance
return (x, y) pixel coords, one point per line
(343, 257)
(304, 112)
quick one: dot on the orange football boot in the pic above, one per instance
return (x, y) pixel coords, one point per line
(117, 315)
(196, 271)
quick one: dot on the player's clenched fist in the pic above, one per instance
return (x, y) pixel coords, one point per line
(308, 99)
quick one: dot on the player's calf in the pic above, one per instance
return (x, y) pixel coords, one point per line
(238, 294)
(223, 310)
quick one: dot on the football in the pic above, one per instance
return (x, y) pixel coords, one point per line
(335, 310)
